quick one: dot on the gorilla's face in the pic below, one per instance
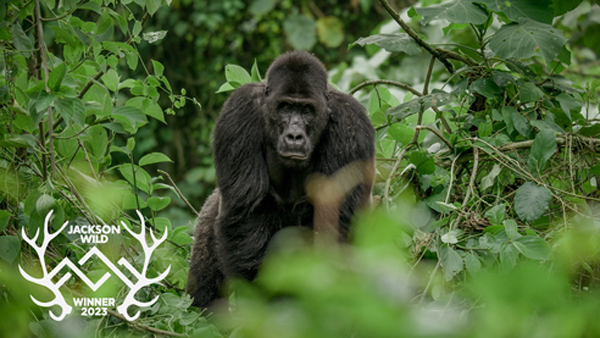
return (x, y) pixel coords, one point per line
(295, 136)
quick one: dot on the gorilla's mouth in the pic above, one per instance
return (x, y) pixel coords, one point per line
(294, 156)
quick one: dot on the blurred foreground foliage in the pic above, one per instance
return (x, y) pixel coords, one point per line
(487, 164)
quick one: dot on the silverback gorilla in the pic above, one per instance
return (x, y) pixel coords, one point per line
(268, 139)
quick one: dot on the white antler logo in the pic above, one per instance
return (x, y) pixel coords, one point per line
(140, 276)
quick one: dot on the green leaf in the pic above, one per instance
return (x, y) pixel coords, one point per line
(44, 204)
(301, 31)
(488, 180)
(533, 248)
(142, 178)
(538, 10)
(237, 75)
(98, 140)
(472, 263)
(158, 203)
(154, 158)
(486, 87)
(507, 113)
(4, 218)
(158, 68)
(130, 117)
(562, 6)
(130, 144)
(255, 73)
(451, 262)
(458, 11)
(510, 226)
(56, 77)
(401, 133)
(526, 39)
(330, 31)
(262, 7)
(398, 42)
(532, 201)
(226, 87)
(496, 214)
(452, 236)
(152, 6)
(508, 256)
(530, 92)
(71, 110)
(111, 80)
(544, 146)
(9, 248)
(148, 106)
(425, 164)
(568, 104)
(521, 123)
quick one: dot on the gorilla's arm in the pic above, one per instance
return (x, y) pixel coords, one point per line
(348, 137)
(243, 181)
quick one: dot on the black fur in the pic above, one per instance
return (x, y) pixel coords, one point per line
(261, 188)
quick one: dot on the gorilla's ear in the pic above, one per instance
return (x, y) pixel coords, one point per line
(267, 90)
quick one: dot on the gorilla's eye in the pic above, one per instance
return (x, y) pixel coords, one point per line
(286, 107)
(307, 109)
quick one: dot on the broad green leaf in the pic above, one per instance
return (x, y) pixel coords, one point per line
(530, 92)
(488, 180)
(152, 6)
(226, 87)
(262, 7)
(568, 104)
(98, 140)
(142, 178)
(544, 146)
(532, 201)
(330, 31)
(237, 75)
(451, 262)
(496, 214)
(401, 133)
(458, 11)
(446, 207)
(425, 164)
(398, 42)
(44, 204)
(485, 129)
(255, 73)
(510, 226)
(158, 68)
(111, 80)
(485, 87)
(148, 106)
(9, 248)
(380, 99)
(24, 141)
(4, 218)
(158, 203)
(562, 6)
(538, 10)
(472, 263)
(301, 31)
(451, 237)
(71, 110)
(520, 123)
(533, 247)
(154, 158)
(508, 256)
(56, 77)
(526, 39)
(130, 117)
(507, 113)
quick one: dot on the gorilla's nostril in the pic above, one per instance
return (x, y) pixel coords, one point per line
(295, 137)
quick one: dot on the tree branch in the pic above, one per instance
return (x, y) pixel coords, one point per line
(44, 57)
(386, 82)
